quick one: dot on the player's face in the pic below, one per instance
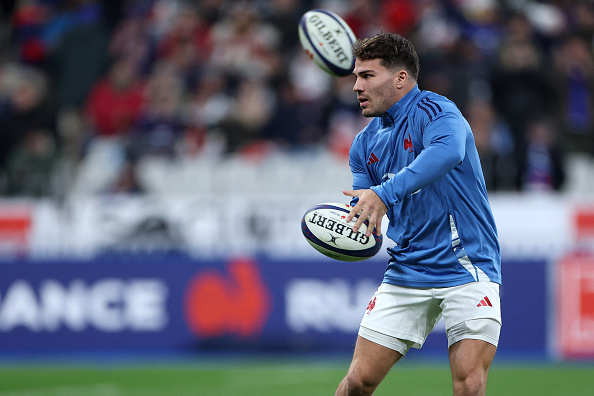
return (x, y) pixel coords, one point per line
(375, 87)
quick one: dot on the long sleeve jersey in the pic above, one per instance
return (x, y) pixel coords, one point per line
(421, 160)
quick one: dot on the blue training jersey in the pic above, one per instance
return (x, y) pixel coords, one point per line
(421, 160)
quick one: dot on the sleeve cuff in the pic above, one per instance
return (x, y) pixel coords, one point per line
(381, 192)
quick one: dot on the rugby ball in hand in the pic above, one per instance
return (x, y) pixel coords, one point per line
(325, 228)
(328, 41)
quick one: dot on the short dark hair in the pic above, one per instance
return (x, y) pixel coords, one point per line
(394, 51)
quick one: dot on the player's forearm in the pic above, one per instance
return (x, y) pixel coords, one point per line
(431, 164)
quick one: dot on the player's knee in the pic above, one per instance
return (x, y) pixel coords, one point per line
(358, 384)
(473, 383)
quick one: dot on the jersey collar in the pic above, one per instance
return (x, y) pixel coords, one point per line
(400, 106)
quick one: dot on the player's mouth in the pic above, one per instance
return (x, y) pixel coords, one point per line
(362, 101)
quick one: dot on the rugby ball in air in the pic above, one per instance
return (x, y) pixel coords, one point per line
(325, 228)
(328, 41)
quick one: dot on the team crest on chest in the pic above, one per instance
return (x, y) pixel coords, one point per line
(408, 145)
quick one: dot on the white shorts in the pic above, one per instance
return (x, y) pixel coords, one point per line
(400, 317)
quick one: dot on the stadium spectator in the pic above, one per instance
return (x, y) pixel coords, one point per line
(244, 46)
(398, 16)
(80, 55)
(131, 40)
(284, 16)
(290, 127)
(29, 142)
(574, 83)
(204, 109)
(160, 126)
(541, 163)
(210, 102)
(115, 100)
(435, 28)
(30, 165)
(113, 107)
(495, 145)
(521, 86)
(361, 16)
(460, 73)
(251, 111)
(28, 22)
(186, 44)
(581, 17)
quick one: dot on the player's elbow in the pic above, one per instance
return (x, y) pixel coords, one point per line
(451, 152)
(455, 158)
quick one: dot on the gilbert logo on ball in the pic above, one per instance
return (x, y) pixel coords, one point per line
(328, 41)
(324, 226)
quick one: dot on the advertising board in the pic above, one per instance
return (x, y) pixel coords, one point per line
(575, 306)
(173, 302)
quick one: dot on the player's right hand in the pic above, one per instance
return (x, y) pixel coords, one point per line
(370, 207)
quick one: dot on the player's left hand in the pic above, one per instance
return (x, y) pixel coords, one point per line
(370, 207)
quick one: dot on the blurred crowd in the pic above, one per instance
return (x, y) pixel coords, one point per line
(108, 83)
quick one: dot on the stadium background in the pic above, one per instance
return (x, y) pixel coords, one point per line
(156, 158)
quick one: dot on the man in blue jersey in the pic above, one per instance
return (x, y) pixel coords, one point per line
(416, 161)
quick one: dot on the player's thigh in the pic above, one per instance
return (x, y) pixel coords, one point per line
(471, 357)
(472, 314)
(371, 361)
(400, 316)
(472, 310)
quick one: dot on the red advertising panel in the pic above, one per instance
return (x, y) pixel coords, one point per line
(15, 226)
(575, 306)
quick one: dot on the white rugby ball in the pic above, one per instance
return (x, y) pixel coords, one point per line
(328, 41)
(325, 228)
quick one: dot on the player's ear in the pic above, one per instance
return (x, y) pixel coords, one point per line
(400, 78)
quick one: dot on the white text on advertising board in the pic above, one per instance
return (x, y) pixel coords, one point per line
(326, 306)
(108, 305)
